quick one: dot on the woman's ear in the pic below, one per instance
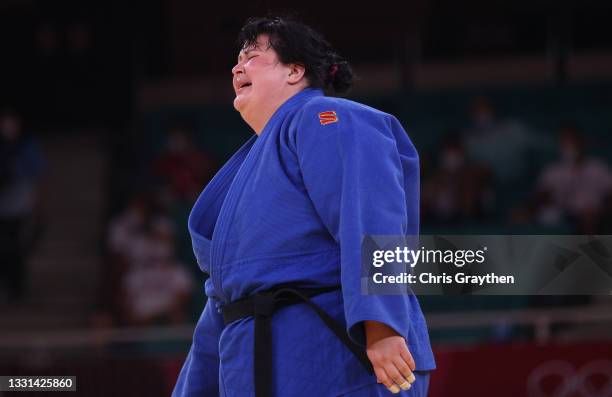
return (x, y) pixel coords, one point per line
(296, 73)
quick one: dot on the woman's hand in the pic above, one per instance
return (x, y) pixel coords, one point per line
(390, 357)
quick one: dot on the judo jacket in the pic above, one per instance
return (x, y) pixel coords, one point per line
(291, 206)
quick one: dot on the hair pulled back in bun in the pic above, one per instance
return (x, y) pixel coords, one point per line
(295, 42)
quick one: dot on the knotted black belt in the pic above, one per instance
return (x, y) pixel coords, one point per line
(262, 305)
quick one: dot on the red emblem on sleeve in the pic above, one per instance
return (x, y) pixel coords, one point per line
(328, 117)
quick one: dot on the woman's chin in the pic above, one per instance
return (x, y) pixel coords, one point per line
(239, 103)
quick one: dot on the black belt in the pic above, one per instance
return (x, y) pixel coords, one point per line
(262, 305)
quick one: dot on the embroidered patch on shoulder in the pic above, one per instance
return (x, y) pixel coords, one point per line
(328, 117)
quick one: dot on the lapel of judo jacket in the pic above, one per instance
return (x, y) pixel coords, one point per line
(237, 170)
(205, 212)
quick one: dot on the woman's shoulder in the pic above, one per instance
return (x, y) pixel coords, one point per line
(323, 118)
(336, 104)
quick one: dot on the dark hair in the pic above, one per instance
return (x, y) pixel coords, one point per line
(295, 42)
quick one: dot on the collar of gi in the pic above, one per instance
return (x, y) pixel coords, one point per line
(293, 101)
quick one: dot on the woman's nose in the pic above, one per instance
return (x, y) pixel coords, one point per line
(237, 69)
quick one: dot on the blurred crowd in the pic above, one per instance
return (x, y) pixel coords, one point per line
(576, 189)
(502, 172)
(150, 277)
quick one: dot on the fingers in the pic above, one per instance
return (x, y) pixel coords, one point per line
(381, 376)
(406, 373)
(405, 367)
(395, 376)
(399, 380)
(405, 353)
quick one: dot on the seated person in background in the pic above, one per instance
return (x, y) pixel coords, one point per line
(457, 190)
(507, 146)
(156, 287)
(576, 185)
(125, 227)
(184, 166)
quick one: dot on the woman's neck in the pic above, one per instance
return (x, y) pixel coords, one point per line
(258, 118)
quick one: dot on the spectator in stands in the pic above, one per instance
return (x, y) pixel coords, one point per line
(156, 286)
(576, 184)
(182, 165)
(155, 242)
(507, 146)
(126, 227)
(145, 282)
(124, 231)
(21, 170)
(457, 190)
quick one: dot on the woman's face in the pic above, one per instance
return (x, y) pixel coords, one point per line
(259, 78)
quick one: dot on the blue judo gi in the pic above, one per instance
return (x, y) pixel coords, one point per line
(291, 207)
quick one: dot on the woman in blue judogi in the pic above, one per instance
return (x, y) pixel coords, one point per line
(279, 231)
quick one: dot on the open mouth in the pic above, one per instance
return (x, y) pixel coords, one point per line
(244, 85)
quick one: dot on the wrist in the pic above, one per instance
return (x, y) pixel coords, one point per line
(375, 331)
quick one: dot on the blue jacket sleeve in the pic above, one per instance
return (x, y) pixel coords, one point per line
(362, 175)
(200, 373)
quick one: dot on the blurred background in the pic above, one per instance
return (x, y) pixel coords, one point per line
(113, 116)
